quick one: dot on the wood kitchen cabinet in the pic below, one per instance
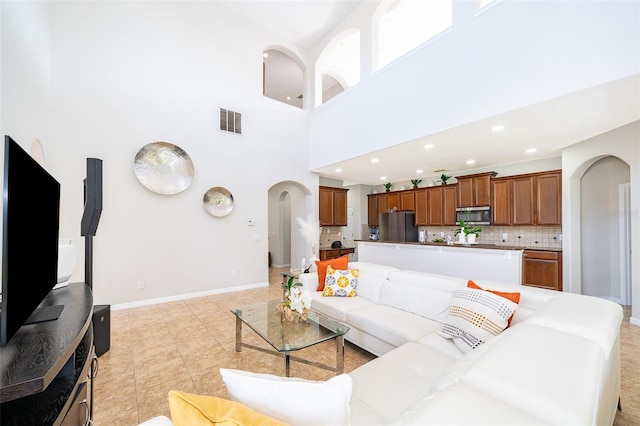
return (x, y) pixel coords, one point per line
(393, 200)
(475, 190)
(542, 269)
(549, 198)
(501, 205)
(326, 254)
(333, 206)
(436, 205)
(537, 199)
(422, 204)
(372, 210)
(407, 200)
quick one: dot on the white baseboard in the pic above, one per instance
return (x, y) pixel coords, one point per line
(634, 321)
(147, 302)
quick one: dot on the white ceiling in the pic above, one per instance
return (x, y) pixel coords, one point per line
(548, 127)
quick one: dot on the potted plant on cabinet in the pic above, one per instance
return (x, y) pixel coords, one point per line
(415, 183)
(387, 186)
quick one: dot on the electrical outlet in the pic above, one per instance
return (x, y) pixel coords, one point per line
(505, 235)
(234, 273)
(441, 233)
(140, 284)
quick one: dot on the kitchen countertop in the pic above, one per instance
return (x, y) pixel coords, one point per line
(483, 246)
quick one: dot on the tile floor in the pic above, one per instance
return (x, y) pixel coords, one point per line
(181, 345)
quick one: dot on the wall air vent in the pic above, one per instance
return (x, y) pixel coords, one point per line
(230, 121)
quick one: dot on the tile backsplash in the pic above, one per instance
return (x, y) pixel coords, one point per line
(518, 236)
(544, 237)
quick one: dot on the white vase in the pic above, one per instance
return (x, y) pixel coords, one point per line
(471, 238)
(461, 236)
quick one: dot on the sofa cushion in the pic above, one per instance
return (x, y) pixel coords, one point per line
(465, 405)
(341, 282)
(475, 316)
(390, 324)
(292, 400)
(189, 409)
(341, 262)
(575, 314)
(417, 299)
(337, 307)
(389, 384)
(549, 373)
(433, 281)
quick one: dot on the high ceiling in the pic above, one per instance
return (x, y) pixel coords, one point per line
(567, 120)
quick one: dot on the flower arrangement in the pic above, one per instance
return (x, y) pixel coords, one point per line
(296, 301)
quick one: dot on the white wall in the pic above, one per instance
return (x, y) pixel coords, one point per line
(514, 55)
(124, 74)
(24, 75)
(623, 144)
(600, 229)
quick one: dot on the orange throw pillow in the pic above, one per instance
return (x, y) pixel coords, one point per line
(514, 297)
(341, 262)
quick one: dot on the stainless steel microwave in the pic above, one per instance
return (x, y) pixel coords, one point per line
(474, 215)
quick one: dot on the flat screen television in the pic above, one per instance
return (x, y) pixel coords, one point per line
(29, 241)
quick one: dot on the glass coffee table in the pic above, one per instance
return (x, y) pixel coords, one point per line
(289, 336)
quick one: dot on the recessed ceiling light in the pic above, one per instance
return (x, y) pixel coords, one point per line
(288, 98)
(374, 160)
(471, 161)
(428, 146)
(498, 128)
(531, 150)
(383, 178)
(419, 171)
(265, 54)
(339, 170)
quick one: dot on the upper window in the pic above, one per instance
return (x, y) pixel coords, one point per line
(339, 65)
(282, 78)
(403, 25)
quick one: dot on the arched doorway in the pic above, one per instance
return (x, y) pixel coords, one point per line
(605, 230)
(287, 201)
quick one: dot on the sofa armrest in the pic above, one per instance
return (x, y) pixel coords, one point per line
(309, 281)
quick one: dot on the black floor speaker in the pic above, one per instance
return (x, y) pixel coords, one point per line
(102, 328)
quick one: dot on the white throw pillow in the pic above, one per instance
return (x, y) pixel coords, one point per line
(476, 316)
(292, 400)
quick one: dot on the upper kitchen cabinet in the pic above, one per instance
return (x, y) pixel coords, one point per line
(475, 190)
(436, 205)
(549, 198)
(501, 205)
(407, 200)
(372, 210)
(333, 206)
(530, 199)
(393, 201)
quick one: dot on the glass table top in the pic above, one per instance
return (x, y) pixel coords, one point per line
(284, 335)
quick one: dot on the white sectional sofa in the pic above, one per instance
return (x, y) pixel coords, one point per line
(557, 363)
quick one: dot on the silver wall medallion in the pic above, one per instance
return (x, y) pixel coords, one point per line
(218, 201)
(163, 168)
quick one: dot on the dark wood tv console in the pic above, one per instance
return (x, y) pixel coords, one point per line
(47, 367)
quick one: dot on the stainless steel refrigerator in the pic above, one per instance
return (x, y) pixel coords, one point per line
(398, 226)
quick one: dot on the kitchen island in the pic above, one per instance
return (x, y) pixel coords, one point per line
(476, 262)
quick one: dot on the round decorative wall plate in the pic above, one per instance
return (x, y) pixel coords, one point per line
(218, 201)
(163, 168)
